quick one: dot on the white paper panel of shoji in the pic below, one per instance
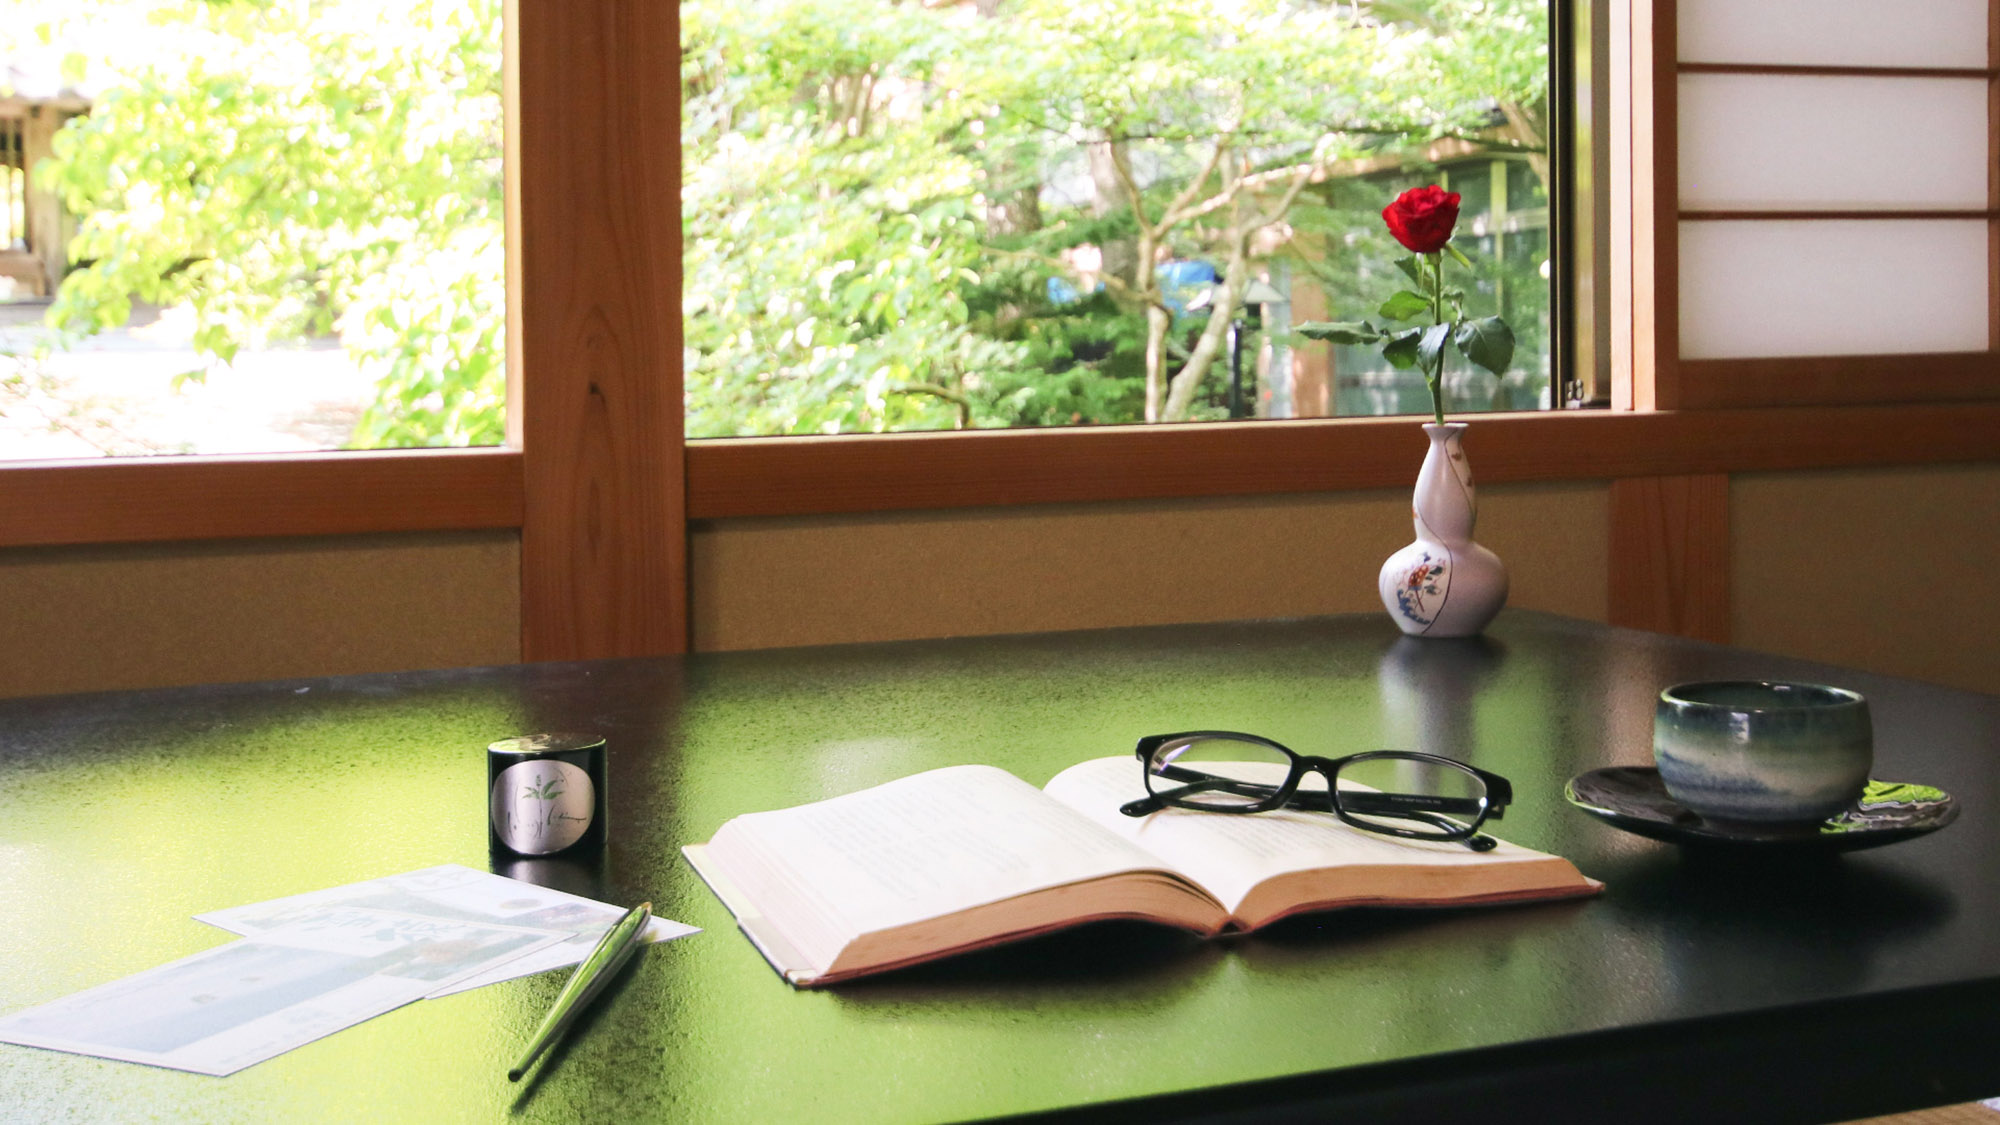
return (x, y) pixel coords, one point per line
(1752, 288)
(1834, 32)
(1793, 142)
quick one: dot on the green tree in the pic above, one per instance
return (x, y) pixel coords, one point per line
(292, 169)
(885, 205)
(875, 189)
(831, 235)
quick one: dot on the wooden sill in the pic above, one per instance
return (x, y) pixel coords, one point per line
(813, 475)
(135, 500)
(177, 499)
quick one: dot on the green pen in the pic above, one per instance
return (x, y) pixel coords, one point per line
(613, 950)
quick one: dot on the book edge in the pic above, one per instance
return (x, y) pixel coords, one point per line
(786, 960)
(996, 941)
(799, 972)
(1583, 886)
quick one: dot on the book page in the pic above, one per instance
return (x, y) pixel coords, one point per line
(1228, 855)
(921, 847)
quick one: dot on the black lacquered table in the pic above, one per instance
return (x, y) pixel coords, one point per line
(1715, 987)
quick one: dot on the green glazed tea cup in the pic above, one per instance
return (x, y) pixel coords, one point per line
(1761, 752)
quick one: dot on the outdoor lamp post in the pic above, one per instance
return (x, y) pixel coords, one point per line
(1251, 309)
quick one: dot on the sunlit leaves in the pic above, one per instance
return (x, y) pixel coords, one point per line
(843, 157)
(289, 170)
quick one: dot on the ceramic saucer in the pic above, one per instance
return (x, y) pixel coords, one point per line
(1632, 798)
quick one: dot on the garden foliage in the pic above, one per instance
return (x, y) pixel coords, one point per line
(895, 215)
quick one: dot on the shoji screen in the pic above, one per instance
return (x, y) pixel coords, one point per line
(1832, 194)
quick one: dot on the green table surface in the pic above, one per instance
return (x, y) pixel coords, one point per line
(1758, 990)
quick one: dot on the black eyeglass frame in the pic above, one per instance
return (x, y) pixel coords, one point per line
(1429, 809)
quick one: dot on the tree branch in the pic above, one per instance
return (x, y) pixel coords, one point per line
(1253, 181)
(1299, 181)
(1122, 168)
(1172, 216)
(1108, 280)
(946, 393)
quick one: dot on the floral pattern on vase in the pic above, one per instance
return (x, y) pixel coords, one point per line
(1420, 583)
(1443, 584)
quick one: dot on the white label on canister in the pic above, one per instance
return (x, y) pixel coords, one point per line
(542, 806)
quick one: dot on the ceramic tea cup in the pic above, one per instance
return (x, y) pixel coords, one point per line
(1762, 752)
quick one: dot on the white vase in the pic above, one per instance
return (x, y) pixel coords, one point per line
(1444, 584)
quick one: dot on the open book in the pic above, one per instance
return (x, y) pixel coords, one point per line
(966, 857)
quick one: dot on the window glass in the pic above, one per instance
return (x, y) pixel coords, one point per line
(1047, 212)
(250, 225)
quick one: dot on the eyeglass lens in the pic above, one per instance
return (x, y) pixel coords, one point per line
(1199, 772)
(1411, 795)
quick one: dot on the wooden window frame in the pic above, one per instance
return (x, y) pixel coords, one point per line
(601, 483)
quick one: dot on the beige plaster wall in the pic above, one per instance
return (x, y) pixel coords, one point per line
(1822, 566)
(99, 618)
(1889, 570)
(819, 580)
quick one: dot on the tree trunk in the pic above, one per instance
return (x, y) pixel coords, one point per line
(1013, 212)
(1011, 209)
(1121, 256)
(1159, 321)
(1221, 310)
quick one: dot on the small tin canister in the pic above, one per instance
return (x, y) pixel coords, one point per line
(545, 793)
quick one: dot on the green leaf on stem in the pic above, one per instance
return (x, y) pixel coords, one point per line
(1413, 269)
(1401, 349)
(1459, 254)
(1404, 305)
(1341, 332)
(1487, 342)
(1430, 347)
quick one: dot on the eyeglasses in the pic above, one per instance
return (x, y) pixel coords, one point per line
(1394, 792)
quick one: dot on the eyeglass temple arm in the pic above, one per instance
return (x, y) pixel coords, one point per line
(1352, 800)
(1196, 783)
(1393, 804)
(1478, 841)
(1433, 815)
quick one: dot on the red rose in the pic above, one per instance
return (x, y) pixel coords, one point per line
(1422, 218)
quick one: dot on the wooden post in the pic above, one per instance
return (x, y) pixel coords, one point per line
(1312, 360)
(1669, 556)
(595, 258)
(48, 238)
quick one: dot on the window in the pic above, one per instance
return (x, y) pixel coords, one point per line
(251, 227)
(1045, 212)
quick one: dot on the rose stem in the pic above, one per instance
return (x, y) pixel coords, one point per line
(1437, 317)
